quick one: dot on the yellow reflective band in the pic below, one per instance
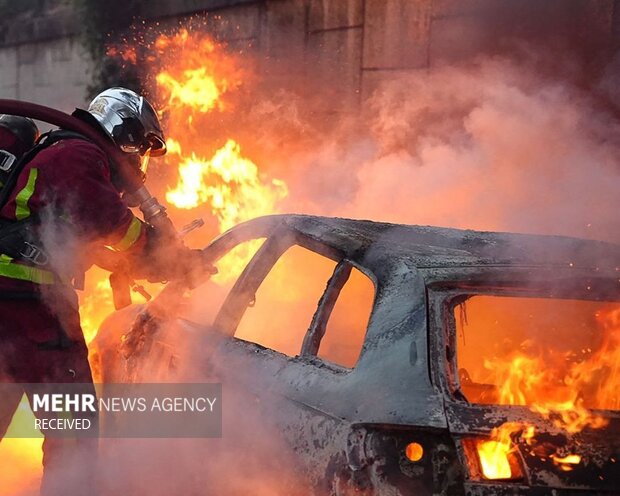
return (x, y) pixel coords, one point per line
(21, 200)
(23, 272)
(131, 236)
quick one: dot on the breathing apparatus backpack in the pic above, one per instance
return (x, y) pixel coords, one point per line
(18, 238)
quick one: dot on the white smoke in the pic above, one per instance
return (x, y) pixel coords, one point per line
(491, 145)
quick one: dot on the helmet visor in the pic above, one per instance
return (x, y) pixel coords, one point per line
(157, 145)
(153, 145)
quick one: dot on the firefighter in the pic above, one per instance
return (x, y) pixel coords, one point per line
(66, 199)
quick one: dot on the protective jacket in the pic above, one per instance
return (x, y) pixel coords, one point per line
(67, 193)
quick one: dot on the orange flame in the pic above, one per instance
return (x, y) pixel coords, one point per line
(95, 305)
(228, 182)
(602, 369)
(494, 453)
(196, 86)
(126, 54)
(20, 470)
(197, 72)
(535, 382)
(566, 463)
(197, 77)
(532, 382)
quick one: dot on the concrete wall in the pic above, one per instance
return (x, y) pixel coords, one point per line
(341, 49)
(54, 72)
(42, 59)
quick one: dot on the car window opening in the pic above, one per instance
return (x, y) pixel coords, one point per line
(347, 324)
(286, 302)
(538, 351)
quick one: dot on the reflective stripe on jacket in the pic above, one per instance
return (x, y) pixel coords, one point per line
(13, 270)
(131, 236)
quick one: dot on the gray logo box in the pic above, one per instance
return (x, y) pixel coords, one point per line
(119, 410)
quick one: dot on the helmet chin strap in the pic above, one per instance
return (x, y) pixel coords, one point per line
(144, 161)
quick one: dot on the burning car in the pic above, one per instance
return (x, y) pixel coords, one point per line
(408, 359)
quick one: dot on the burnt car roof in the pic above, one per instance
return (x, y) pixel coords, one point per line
(427, 246)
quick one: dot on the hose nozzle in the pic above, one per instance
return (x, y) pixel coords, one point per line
(148, 204)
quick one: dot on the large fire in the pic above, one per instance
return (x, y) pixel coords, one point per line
(557, 386)
(194, 80)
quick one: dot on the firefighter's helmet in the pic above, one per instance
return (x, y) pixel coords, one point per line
(130, 120)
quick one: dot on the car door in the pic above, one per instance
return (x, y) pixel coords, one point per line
(296, 321)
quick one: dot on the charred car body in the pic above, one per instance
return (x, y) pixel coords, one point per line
(407, 411)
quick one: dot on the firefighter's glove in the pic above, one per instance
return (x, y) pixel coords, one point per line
(192, 266)
(166, 258)
(177, 263)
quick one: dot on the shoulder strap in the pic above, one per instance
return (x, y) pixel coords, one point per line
(60, 134)
(45, 140)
